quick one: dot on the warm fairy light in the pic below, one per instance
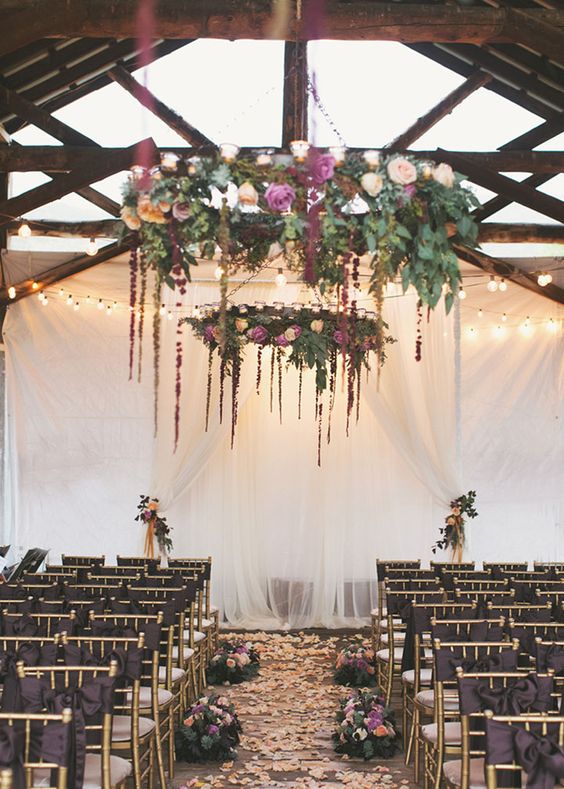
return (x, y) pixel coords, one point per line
(41, 295)
(526, 329)
(108, 310)
(299, 150)
(76, 306)
(228, 151)
(461, 293)
(45, 301)
(92, 248)
(69, 300)
(24, 230)
(499, 332)
(61, 292)
(100, 304)
(502, 285)
(169, 316)
(480, 313)
(218, 273)
(280, 279)
(472, 333)
(115, 305)
(88, 300)
(504, 317)
(544, 279)
(492, 285)
(12, 292)
(162, 310)
(35, 285)
(551, 326)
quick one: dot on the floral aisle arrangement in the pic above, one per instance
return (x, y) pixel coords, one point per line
(355, 666)
(318, 212)
(453, 534)
(298, 336)
(365, 728)
(157, 527)
(210, 732)
(233, 662)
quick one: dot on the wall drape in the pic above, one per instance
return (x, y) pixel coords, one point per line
(293, 544)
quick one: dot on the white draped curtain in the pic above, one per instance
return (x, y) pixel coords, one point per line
(292, 544)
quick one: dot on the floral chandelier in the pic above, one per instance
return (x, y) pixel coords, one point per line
(321, 212)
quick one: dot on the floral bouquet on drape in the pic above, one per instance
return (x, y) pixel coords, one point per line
(156, 527)
(355, 666)
(453, 535)
(234, 662)
(365, 727)
(210, 731)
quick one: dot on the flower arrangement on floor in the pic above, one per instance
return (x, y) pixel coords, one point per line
(210, 731)
(233, 662)
(157, 527)
(302, 337)
(355, 666)
(453, 534)
(365, 727)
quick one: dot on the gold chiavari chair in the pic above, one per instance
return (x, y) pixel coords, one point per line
(518, 611)
(82, 561)
(133, 736)
(38, 624)
(102, 770)
(548, 566)
(39, 769)
(500, 741)
(506, 566)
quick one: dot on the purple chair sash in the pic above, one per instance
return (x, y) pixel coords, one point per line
(550, 657)
(448, 660)
(531, 693)
(539, 756)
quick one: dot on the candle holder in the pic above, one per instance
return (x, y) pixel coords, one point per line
(264, 159)
(339, 154)
(169, 161)
(372, 159)
(297, 306)
(228, 151)
(316, 309)
(243, 309)
(299, 149)
(278, 306)
(259, 306)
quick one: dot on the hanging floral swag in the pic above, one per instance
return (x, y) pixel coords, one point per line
(303, 337)
(210, 731)
(453, 534)
(156, 526)
(365, 728)
(355, 666)
(234, 662)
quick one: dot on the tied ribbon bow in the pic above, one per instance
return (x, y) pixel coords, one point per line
(531, 693)
(550, 657)
(540, 757)
(448, 661)
(24, 625)
(11, 754)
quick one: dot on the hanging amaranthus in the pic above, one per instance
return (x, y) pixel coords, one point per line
(222, 367)
(300, 377)
(178, 385)
(319, 431)
(272, 362)
(133, 263)
(279, 364)
(143, 268)
(156, 351)
(259, 368)
(209, 387)
(419, 337)
(332, 387)
(235, 379)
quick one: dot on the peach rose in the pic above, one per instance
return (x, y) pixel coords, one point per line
(216, 333)
(402, 171)
(130, 218)
(241, 324)
(443, 174)
(149, 212)
(372, 183)
(247, 194)
(316, 326)
(153, 506)
(165, 206)
(230, 663)
(381, 731)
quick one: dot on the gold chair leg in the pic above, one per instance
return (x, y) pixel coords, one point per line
(171, 742)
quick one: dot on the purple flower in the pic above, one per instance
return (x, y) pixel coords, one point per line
(259, 335)
(322, 168)
(339, 337)
(282, 341)
(181, 211)
(409, 190)
(280, 197)
(208, 333)
(212, 729)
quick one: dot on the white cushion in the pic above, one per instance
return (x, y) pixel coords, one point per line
(452, 772)
(165, 697)
(384, 655)
(384, 623)
(399, 638)
(121, 727)
(187, 651)
(176, 674)
(198, 636)
(120, 769)
(453, 733)
(427, 699)
(214, 609)
(425, 676)
(207, 623)
(383, 612)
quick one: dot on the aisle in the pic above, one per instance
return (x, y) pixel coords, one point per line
(287, 715)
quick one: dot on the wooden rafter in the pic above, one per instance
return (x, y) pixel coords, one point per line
(173, 120)
(440, 110)
(503, 268)
(67, 269)
(536, 33)
(62, 185)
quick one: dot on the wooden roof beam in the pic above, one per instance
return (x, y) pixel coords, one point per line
(536, 33)
(144, 96)
(440, 110)
(520, 233)
(503, 268)
(295, 97)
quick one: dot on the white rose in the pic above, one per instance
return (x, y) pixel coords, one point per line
(241, 324)
(316, 326)
(372, 183)
(443, 174)
(247, 194)
(290, 334)
(402, 171)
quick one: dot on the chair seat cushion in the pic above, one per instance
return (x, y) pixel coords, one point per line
(453, 733)
(452, 772)
(427, 699)
(207, 623)
(384, 655)
(177, 674)
(165, 697)
(188, 653)
(120, 770)
(198, 636)
(399, 637)
(214, 609)
(425, 676)
(121, 727)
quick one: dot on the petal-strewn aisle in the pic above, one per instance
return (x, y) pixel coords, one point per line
(287, 715)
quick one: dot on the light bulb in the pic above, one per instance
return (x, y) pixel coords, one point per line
(480, 313)
(544, 279)
(100, 304)
(12, 292)
(502, 285)
(492, 285)
(40, 295)
(45, 301)
(169, 316)
(472, 333)
(108, 310)
(218, 273)
(88, 300)
(526, 328)
(551, 326)
(115, 305)
(504, 317)
(548, 278)
(69, 299)
(461, 293)
(92, 247)
(35, 285)
(162, 310)
(499, 331)
(61, 292)
(280, 279)
(24, 230)
(76, 306)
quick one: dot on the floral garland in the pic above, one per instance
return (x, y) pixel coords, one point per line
(313, 338)
(156, 526)
(365, 727)
(452, 533)
(355, 666)
(234, 662)
(210, 731)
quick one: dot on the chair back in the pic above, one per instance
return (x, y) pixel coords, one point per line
(82, 561)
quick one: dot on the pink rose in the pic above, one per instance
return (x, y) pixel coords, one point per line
(281, 341)
(180, 211)
(443, 174)
(259, 335)
(208, 333)
(402, 171)
(339, 337)
(409, 190)
(280, 197)
(322, 168)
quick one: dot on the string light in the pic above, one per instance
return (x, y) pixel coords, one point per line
(280, 279)
(499, 332)
(492, 284)
(61, 292)
(88, 300)
(551, 326)
(502, 285)
(108, 310)
(12, 292)
(162, 310)
(544, 279)
(472, 333)
(461, 293)
(504, 317)
(41, 295)
(92, 247)
(35, 285)
(169, 316)
(24, 230)
(45, 301)
(100, 304)
(480, 313)
(115, 305)
(69, 299)
(76, 306)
